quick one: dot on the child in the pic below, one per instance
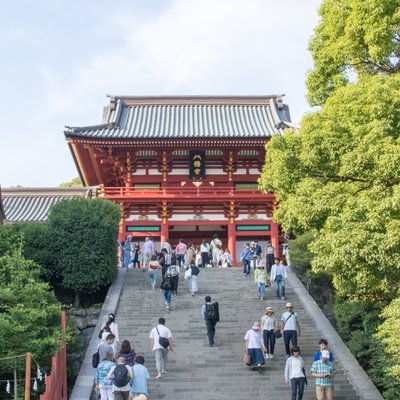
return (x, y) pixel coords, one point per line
(260, 277)
(140, 378)
(227, 259)
(323, 345)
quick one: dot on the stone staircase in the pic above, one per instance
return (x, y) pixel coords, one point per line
(196, 371)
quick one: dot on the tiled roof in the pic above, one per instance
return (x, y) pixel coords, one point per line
(188, 117)
(34, 204)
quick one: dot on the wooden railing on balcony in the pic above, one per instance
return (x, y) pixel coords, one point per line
(183, 193)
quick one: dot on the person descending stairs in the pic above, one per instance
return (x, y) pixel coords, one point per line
(197, 371)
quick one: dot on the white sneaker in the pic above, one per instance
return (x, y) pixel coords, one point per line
(271, 356)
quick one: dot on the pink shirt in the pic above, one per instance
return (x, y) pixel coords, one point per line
(180, 248)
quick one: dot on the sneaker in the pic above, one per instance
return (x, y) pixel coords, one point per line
(271, 356)
(283, 298)
(159, 376)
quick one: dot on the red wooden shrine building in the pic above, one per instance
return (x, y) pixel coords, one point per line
(184, 167)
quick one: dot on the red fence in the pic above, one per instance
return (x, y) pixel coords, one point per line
(56, 382)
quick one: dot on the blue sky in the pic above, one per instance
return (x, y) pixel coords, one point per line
(59, 58)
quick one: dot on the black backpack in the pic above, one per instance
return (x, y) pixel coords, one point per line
(121, 375)
(212, 312)
(167, 285)
(95, 359)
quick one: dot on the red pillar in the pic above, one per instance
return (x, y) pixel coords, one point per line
(275, 237)
(164, 231)
(232, 241)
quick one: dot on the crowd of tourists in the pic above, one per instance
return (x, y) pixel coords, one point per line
(121, 374)
(207, 254)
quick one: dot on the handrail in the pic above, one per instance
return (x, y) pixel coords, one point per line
(56, 382)
(177, 190)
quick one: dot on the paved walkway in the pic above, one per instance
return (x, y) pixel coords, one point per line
(197, 371)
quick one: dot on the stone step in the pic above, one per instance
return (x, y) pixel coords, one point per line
(199, 372)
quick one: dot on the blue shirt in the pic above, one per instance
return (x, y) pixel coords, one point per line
(317, 356)
(140, 378)
(102, 371)
(246, 254)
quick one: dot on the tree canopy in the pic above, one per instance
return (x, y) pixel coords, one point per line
(338, 176)
(353, 38)
(29, 311)
(76, 182)
(83, 235)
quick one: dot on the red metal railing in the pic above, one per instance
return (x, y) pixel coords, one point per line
(56, 382)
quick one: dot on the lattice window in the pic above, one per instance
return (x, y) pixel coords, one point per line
(248, 153)
(146, 153)
(147, 186)
(246, 186)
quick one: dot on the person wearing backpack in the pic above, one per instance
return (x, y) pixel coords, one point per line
(102, 383)
(210, 313)
(121, 376)
(167, 287)
(174, 270)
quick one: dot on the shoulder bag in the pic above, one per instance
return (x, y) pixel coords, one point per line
(163, 341)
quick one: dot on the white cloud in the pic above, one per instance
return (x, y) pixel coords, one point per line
(188, 47)
(194, 47)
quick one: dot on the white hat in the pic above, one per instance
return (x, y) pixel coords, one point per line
(325, 354)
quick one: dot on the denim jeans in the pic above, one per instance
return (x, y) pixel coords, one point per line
(269, 341)
(211, 330)
(289, 336)
(280, 286)
(181, 260)
(261, 290)
(167, 296)
(153, 277)
(297, 388)
(246, 267)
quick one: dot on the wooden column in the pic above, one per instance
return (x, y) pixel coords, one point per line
(164, 222)
(233, 212)
(121, 231)
(275, 237)
(28, 376)
(232, 241)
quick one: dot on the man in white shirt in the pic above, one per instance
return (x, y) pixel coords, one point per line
(278, 275)
(160, 352)
(290, 327)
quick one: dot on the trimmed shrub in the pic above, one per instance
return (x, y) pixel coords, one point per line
(83, 242)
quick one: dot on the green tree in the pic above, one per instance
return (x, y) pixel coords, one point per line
(83, 236)
(29, 311)
(339, 175)
(76, 182)
(300, 255)
(353, 38)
